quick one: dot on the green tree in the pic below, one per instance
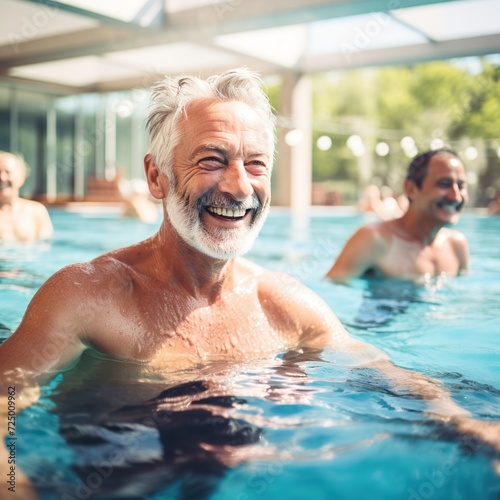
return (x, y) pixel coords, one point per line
(425, 101)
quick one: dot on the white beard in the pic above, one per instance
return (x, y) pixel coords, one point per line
(219, 243)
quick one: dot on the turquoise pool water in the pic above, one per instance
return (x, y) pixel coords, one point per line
(302, 426)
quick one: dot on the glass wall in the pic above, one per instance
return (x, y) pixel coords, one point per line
(65, 139)
(28, 132)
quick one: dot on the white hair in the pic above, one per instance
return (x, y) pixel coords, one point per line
(171, 96)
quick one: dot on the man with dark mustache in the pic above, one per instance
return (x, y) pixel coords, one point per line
(418, 245)
(185, 298)
(20, 219)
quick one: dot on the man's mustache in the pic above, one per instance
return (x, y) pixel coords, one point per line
(458, 207)
(213, 199)
(5, 184)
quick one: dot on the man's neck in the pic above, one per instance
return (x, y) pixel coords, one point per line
(8, 204)
(202, 277)
(419, 228)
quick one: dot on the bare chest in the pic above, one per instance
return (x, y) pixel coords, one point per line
(17, 225)
(410, 259)
(170, 334)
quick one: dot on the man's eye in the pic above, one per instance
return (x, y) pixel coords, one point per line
(256, 165)
(212, 162)
(445, 184)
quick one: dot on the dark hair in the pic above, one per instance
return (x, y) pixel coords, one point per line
(417, 169)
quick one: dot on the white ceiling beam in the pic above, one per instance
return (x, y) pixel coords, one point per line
(197, 25)
(408, 54)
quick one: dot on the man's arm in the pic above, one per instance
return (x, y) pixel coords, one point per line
(44, 343)
(358, 255)
(322, 328)
(47, 340)
(49, 336)
(440, 405)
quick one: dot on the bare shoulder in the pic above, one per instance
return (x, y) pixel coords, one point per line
(271, 285)
(80, 288)
(373, 237)
(295, 310)
(75, 283)
(32, 206)
(361, 251)
(460, 246)
(454, 237)
(68, 313)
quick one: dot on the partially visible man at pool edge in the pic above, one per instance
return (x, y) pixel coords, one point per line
(417, 245)
(184, 297)
(20, 219)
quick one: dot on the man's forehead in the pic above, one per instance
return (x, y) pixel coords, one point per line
(445, 163)
(9, 161)
(211, 121)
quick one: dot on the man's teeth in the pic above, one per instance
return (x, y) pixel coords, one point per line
(228, 212)
(450, 207)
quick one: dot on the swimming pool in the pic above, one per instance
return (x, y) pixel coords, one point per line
(300, 426)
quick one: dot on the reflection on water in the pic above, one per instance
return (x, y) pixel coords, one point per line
(134, 434)
(16, 277)
(385, 300)
(150, 445)
(14, 263)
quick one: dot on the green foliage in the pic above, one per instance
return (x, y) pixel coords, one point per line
(483, 117)
(431, 100)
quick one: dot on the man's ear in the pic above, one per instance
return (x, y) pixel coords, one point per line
(410, 188)
(157, 182)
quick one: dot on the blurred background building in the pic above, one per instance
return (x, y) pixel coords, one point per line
(359, 87)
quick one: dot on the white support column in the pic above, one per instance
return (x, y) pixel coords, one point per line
(294, 174)
(100, 137)
(110, 142)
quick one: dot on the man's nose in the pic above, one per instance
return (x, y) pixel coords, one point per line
(455, 192)
(4, 175)
(235, 181)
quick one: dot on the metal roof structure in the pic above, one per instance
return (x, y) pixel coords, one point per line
(79, 46)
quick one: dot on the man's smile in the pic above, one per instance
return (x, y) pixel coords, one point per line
(452, 207)
(228, 213)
